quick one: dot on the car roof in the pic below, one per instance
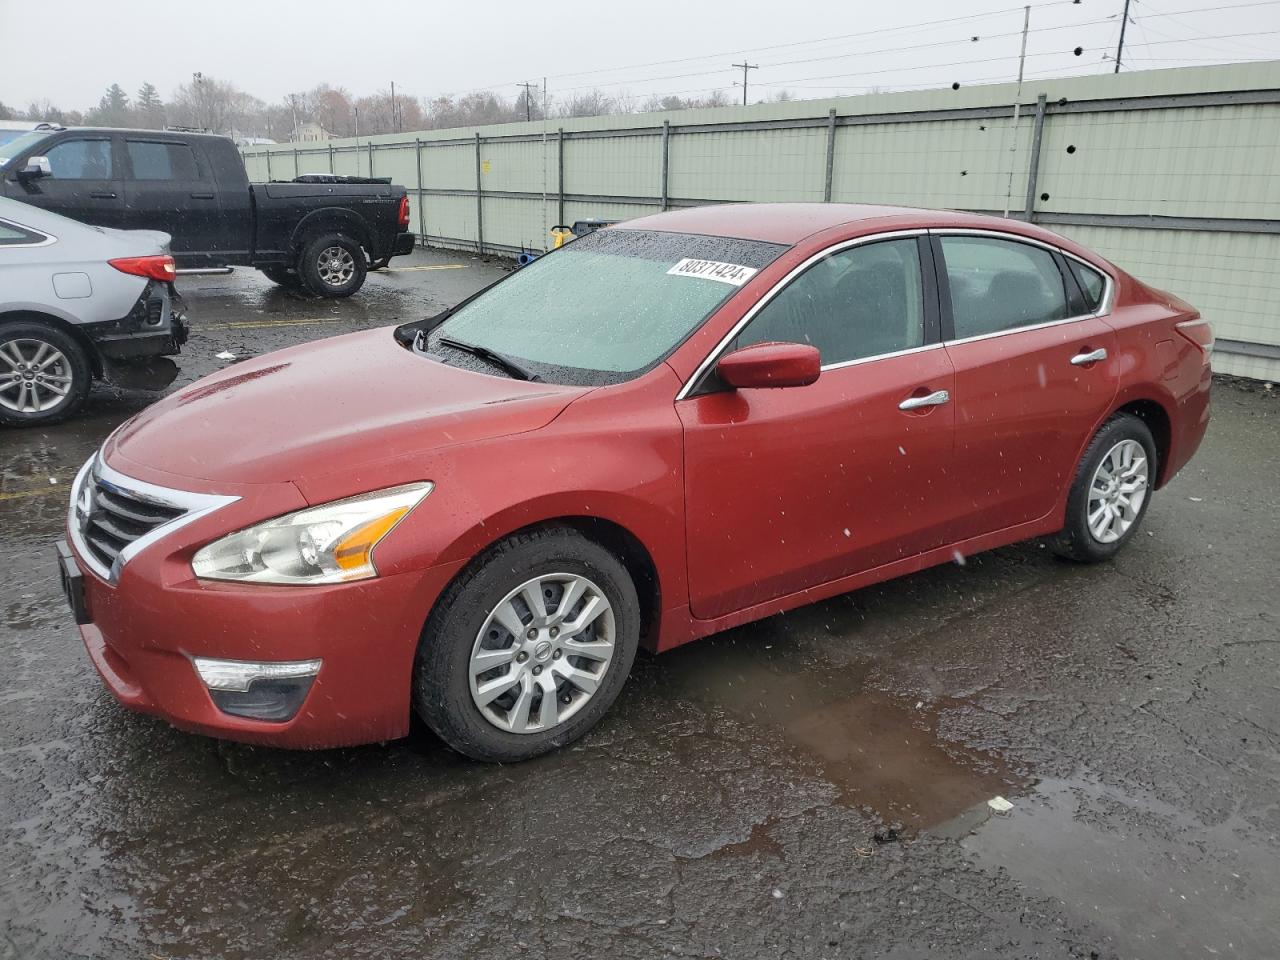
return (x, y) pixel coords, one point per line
(791, 223)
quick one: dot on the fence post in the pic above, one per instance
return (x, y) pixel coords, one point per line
(560, 178)
(479, 201)
(831, 154)
(295, 162)
(1033, 172)
(268, 166)
(666, 161)
(422, 197)
(331, 169)
(370, 159)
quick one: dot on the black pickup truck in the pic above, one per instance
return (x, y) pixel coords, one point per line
(322, 232)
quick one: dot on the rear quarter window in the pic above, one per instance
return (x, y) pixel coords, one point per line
(1092, 283)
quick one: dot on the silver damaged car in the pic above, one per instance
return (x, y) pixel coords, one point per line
(78, 304)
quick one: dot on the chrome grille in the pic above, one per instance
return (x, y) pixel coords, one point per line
(117, 517)
(114, 516)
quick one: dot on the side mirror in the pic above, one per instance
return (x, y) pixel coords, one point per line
(770, 365)
(36, 167)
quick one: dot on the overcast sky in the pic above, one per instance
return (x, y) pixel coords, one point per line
(69, 51)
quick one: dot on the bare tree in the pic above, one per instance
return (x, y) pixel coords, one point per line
(206, 103)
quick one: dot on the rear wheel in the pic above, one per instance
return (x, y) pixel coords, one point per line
(528, 649)
(45, 374)
(332, 265)
(1111, 491)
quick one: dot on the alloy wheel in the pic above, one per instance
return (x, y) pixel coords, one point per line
(336, 266)
(1117, 491)
(35, 376)
(542, 653)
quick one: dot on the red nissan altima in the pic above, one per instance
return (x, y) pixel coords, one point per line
(664, 429)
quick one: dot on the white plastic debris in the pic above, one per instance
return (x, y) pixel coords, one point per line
(777, 894)
(53, 481)
(225, 355)
(999, 804)
(1196, 499)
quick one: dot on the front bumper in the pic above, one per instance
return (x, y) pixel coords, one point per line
(144, 626)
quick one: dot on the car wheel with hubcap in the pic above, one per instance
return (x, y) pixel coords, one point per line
(44, 374)
(333, 265)
(1111, 491)
(529, 647)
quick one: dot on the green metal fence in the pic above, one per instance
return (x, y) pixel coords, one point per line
(1173, 174)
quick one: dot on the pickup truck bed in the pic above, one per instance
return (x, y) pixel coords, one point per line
(318, 231)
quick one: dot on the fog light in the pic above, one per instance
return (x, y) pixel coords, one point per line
(259, 691)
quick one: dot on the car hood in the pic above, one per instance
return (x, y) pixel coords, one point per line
(321, 407)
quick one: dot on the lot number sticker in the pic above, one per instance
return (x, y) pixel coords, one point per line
(730, 273)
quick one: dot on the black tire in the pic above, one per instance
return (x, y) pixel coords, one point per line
(380, 264)
(282, 276)
(442, 686)
(1076, 541)
(311, 258)
(75, 364)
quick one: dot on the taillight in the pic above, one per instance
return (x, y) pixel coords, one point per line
(1198, 332)
(153, 268)
(403, 218)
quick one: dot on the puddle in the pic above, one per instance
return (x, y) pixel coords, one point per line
(879, 751)
(1161, 883)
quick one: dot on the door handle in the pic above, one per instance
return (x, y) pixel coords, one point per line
(935, 399)
(103, 195)
(1093, 356)
(202, 196)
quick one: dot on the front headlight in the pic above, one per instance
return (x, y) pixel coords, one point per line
(332, 543)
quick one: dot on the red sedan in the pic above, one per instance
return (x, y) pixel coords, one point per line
(669, 427)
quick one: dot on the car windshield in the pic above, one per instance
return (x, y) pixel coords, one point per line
(606, 307)
(18, 144)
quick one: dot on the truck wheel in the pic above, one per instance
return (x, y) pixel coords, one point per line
(282, 276)
(332, 265)
(44, 374)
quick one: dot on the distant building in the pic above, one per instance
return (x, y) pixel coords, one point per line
(310, 132)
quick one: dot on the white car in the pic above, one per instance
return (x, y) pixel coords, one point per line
(79, 303)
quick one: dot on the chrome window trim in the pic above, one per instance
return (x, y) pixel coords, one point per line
(196, 505)
(46, 239)
(1109, 282)
(710, 359)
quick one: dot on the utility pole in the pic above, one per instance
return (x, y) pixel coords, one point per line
(745, 67)
(395, 120)
(528, 99)
(1124, 22)
(1017, 104)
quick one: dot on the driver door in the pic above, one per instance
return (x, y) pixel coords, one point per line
(788, 489)
(85, 183)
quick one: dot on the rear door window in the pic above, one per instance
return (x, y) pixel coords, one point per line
(88, 158)
(999, 285)
(161, 160)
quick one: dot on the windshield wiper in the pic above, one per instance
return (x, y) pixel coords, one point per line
(513, 367)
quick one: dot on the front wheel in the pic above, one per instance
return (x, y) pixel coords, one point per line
(1111, 491)
(528, 649)
(332, 265)
(45, 374)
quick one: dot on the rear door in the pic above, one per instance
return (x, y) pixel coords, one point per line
(789, 489)
(1035, 370)
(84, 183)
(168, 188)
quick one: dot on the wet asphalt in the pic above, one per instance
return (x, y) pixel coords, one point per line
(815, 785)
